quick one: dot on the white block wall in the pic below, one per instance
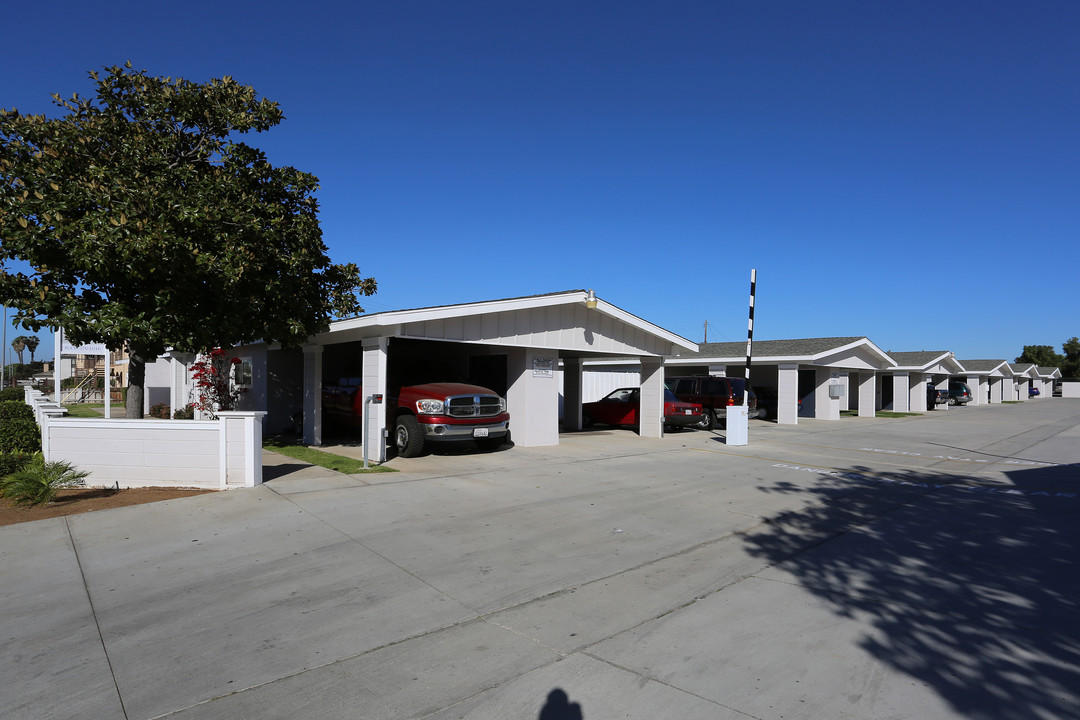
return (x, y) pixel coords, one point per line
(211, 454)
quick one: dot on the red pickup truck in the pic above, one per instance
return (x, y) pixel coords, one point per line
(431, 413)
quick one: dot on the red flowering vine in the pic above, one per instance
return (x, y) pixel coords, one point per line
(214, 390)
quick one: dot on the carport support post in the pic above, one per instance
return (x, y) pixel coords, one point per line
(651, 411)
(532, 397)
(787, 394)
(825, 407)
(918, 393)
(313, 394)
(901, 392)
(374, 383)
(867, 394)
(978, 389)
(572, 391)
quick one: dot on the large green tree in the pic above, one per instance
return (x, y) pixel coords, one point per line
(1041, 355)
(146, 222)
(1071, 367)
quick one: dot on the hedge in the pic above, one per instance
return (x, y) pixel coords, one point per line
(15, 410)
(19, 435)
(15, 393)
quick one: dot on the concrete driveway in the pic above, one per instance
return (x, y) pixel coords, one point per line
(922, 567)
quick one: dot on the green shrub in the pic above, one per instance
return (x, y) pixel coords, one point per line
(15, 410)
(10, 462)
(185, 413)
(8, 394)
(37, 482)
(19, 435)
(159, 410)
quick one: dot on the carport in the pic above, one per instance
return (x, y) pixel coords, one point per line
(810, 369)
(907, 391)
(1024, 374)
(988, 380)
(512, 346)
(1047, 376)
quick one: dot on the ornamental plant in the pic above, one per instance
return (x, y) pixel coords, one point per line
(214, 389)
(37, 482)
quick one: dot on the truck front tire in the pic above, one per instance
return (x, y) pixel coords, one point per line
(408, 437)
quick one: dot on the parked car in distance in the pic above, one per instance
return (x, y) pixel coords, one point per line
(623, 406)
(935, 397)
(768, 403)
(1033, 392)
(959, 393)
(713, 393)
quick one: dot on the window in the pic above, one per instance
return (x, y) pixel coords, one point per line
(242, 372)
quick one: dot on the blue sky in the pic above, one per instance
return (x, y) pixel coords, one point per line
(905, 171)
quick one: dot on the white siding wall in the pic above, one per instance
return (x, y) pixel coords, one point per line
(571, 326)
(596, 385)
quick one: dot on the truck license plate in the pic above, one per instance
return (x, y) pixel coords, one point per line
(479, 432)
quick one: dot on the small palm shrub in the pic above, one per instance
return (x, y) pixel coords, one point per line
(37, 482)
(10, 462)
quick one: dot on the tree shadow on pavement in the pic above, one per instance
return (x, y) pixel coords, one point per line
(972, 586)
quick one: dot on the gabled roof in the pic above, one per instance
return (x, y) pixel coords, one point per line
(987, 367)
(560, 320)
(854, 352)
(1049, 372)
(939, 361)
(1026, 369)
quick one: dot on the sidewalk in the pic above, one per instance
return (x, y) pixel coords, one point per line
(663, 578)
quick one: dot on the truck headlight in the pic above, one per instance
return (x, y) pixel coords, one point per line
(429, 407)
(502, 404)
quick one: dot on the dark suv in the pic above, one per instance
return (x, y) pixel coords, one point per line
(714, 394)
(959, 393)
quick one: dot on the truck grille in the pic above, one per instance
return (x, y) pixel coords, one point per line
(473, 406)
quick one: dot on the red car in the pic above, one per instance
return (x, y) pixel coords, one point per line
(621, 406)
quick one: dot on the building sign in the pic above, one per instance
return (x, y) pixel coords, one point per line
(543, 367)
(67, 348)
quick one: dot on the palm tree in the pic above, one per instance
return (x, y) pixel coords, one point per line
(18, 345)
(31, 342)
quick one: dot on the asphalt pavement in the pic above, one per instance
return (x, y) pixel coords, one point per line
(920, 567)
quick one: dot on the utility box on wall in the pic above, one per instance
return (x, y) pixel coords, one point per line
(836, 391)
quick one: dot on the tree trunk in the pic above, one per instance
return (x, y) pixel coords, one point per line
(136, 383)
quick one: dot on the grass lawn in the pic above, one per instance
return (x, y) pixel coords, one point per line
(298, 451)
(881, 414)
(84, 410)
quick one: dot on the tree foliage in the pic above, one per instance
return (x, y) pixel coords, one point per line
(1071, 367)
(1045, 356)
(18, 345)
(1041, 355)
(31, 343)
(147, 223)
